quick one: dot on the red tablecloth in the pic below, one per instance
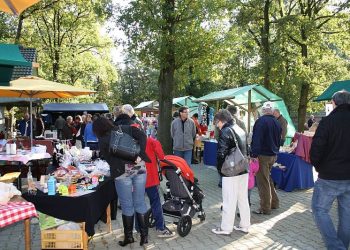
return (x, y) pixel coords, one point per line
(13, 212)
(303, 146)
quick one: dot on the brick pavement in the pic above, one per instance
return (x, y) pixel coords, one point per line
(289, 227)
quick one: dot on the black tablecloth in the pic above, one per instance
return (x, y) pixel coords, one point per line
(87, 208)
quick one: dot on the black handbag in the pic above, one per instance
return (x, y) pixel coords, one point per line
(235, 162)
(123, 145)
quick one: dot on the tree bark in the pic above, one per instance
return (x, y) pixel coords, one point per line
(166, 76)
(265, 37)
(19, 29)
(305, 86)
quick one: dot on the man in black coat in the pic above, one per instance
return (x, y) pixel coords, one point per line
(330, 154)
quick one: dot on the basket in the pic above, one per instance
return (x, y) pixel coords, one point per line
(62, 239)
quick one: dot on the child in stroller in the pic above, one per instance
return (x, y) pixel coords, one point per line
(183, 198)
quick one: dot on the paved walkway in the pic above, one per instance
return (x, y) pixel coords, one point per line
(289, 227)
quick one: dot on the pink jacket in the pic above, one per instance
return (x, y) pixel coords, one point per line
(253, 169)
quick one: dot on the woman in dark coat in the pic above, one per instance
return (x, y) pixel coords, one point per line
(130, 176)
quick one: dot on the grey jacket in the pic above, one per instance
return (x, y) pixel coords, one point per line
(183, 134)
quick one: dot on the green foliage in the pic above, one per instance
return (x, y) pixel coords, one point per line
(71, 48)
(7, 27)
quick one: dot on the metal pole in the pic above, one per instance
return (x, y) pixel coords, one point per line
(31, 123)
(249, 108)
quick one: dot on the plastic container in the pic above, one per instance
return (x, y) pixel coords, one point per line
(30, 181)
(51, 186)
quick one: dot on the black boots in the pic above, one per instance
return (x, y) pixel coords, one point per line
(143, 228)
(128, 223)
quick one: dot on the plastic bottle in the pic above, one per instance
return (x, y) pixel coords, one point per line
(30, 181)
(51, 185)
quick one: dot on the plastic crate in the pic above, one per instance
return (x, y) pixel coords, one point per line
(63, 239)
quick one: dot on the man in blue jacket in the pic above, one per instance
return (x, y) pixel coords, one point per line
(330, 155)
(265, 146)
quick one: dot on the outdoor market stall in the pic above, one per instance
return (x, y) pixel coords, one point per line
(291, 171)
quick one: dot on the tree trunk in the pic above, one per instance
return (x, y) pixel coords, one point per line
(265, 35)
(166, 89)
(56, 65)
(305, 86)
(19, 29)
(166, 76)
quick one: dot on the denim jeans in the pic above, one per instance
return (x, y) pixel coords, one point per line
(156, 206)
(131, 194)
(186, 155)
(325, 192)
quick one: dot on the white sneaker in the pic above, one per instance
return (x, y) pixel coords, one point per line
(242, 229)
(218, 230)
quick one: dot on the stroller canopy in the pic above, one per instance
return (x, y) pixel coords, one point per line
(178, 162)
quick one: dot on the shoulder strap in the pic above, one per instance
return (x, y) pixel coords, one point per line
(234, 136)
(120, 129)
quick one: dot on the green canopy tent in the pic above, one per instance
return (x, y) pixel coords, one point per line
(334, 87)
(10, 56)
(250, 98)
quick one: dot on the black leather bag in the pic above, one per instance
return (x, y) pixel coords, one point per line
(235, 162)
(123, 145)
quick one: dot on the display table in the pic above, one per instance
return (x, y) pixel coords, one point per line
(303, 146)
(24, 156)
(209, 154)
(19, 162)
(296, 175)
(88, 208)
(13, 212)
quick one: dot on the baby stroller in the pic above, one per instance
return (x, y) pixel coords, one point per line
(183, 198)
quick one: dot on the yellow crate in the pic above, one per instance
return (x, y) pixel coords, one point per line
(63, 239)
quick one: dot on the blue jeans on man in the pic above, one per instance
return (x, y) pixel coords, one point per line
(186, 155)
(325, 192)
(131, 194)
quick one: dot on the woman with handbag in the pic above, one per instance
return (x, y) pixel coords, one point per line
(129, 174)
(232, 142)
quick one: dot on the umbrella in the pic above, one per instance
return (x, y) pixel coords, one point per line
(35, 87)
(16, 6)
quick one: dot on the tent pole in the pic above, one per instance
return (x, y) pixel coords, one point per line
(217, 106)
(249, 108)
(31, 123)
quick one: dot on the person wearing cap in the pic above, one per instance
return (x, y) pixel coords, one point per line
(265, 146)
(330, 156)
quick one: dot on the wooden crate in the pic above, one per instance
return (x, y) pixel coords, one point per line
(64, 239)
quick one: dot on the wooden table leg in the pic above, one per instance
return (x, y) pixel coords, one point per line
(85, 238)
(27, 234)
(109, 220)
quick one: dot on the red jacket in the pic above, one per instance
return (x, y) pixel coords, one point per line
(154, 150)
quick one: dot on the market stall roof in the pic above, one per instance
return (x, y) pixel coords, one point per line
(5, 101)
(185, 101)
(240, 96)
(334, 87)
(76, 107)
(259, 94)
(148, 104)
(10, 55)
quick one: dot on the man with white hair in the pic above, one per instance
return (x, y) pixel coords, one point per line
(129, 110)
(265, 146)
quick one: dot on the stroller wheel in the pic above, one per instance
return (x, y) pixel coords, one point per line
(184, 225)
(202, 216)
(150, 221)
